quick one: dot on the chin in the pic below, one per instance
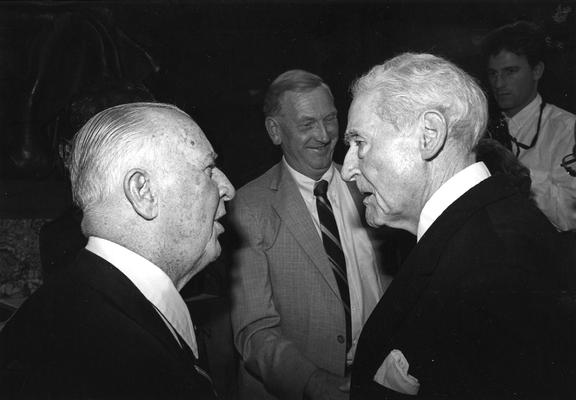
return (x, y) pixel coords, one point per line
(374, 220)
(505, 105)
(214, 251)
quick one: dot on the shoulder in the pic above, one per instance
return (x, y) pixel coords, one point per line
(260, 187)
(251, 210)
(560, 116)
(512, 222)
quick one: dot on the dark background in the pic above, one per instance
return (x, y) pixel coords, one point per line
(215, 60)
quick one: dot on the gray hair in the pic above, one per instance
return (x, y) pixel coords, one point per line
(109, 141)
(409, 84)
(295, 80)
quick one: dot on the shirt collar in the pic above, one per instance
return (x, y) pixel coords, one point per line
(518, 121)
(306, 184)
(448, 193)
(152, 282)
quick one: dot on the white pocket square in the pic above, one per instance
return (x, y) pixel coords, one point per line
(393, 374)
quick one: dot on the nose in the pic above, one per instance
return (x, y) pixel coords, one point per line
(498, 80)
(323, 134)
(225, 188)
(350, 166)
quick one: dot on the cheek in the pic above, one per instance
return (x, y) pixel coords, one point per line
(333, 130)
(389, 175)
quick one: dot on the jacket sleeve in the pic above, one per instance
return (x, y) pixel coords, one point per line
(256, 323)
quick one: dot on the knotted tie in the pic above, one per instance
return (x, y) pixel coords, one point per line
(333, 248)
(500, 132)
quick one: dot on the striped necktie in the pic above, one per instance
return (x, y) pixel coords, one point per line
(333, 248)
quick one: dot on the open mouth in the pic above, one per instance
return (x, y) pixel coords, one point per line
(365, 195)
(218, 228)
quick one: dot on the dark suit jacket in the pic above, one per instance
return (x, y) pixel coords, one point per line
(476, 308)
(89, 333)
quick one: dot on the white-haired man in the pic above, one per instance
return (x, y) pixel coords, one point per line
(472, 312)
(113, 324)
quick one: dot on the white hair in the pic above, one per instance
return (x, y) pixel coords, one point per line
(409, 84)
(106, 144)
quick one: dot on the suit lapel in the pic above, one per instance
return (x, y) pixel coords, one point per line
(120, 291)
(415, 274)
(292, 210)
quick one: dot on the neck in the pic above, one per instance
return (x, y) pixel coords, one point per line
(513, 111)
(445, 169)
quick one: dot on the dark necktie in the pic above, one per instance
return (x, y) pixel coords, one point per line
(500, 132)
(197, 365)
(333, 247)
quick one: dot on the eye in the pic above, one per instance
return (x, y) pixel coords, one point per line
(511, 71)
(330, 118)
(306, 126)
(350, 139)
(360, 144)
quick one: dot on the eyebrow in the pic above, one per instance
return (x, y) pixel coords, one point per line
(305, 119)
(350, 135)
(210, 158)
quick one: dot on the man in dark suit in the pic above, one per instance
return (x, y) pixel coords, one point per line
(476, 311)
(296, 310)
(112, 324)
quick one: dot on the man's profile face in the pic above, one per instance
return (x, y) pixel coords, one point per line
(308, 130)
(514, 82)
(383, 162)
(194, 194)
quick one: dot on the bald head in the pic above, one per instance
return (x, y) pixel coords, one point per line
(120, 138)
(144, 175)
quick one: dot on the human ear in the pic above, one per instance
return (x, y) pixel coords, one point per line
(273, 129)
(139, 192)
(538, 71)
(434, 131)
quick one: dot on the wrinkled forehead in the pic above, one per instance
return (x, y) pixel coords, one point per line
(365, 102)
(302, 99)
(506, 58)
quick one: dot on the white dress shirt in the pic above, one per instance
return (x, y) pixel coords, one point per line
(364, 282)
(448, 193)
(554, 189)
(153, 283)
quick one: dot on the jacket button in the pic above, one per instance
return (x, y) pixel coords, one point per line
(340, 339)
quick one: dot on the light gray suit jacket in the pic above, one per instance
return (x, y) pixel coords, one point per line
(287, 314)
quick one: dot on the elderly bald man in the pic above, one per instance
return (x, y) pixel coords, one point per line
(113, 324)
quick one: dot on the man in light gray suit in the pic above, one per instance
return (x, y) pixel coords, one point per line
(302, 286)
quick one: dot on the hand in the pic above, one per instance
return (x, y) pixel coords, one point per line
(323, 385)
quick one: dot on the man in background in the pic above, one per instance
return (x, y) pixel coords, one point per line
(540, 134)
(306, 275)
(477, 310)
(112, 324)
